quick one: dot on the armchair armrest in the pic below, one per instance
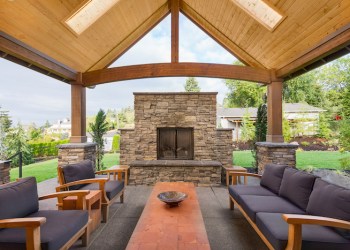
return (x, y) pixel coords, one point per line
(22, 222)
(61, 195)
(295, 222)
(32, 227)
(101, 182)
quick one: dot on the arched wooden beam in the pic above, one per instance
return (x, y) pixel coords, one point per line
(175, 70)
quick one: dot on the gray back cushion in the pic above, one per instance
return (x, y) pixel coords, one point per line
(297, 186)
(78, 171)
(329, 200)
(19, 199)
(272, 177)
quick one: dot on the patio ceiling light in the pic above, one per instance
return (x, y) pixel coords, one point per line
(88, 13)
(262, 11)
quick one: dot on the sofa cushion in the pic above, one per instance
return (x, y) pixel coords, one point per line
(19, 198)
(112, 188)
(297, 186)
(78, 171)
(60, 227)
(329, 200)
(253, 204)
(237, 190)
(272, 177)
(315, 237)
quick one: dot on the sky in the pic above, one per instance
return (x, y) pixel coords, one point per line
(33, 97)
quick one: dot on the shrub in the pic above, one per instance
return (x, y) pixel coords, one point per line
(116, 143)
(305, 143)
(43, 149)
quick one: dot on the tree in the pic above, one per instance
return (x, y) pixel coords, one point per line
(243, 94)
(18, 142)
(261, 123)
(304, 88)
(287, 134)
(323, 127)
(98, 128)
(247, 129)
(346, 102)
(192, 85)
(5, 125)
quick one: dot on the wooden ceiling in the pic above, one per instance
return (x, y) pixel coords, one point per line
(32, 33)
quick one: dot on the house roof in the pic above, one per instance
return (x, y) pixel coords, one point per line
(33, 33)
(287, 108)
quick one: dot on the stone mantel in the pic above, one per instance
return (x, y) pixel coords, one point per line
(177, 163)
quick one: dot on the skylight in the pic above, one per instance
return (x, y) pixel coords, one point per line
(88, 13)
(262, 11)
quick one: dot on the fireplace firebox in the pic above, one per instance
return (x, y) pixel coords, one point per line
(175, 143)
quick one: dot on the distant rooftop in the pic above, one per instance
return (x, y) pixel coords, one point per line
(287, 108)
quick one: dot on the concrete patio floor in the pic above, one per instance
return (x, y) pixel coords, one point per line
(226, 229)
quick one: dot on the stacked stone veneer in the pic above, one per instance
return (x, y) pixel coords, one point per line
(5, 167)
(156, 110)
(278, 153)
(76, 152)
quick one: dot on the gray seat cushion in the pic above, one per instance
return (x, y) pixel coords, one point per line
(315, 237)
(237, 190)
(78, 171)
(297, 186)
(253, 204)
(18, 199)
(112, 188)
(272, 177)
(60, 226)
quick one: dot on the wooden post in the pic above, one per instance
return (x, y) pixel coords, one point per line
(78, 100)
(274, 112)
(175, 12)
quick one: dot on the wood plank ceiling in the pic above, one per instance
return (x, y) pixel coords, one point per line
(311, 30)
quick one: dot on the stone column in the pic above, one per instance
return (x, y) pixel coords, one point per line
(278, 153)
(76, 152)
(5, 167)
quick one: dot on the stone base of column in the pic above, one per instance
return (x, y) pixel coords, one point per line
(5, 167)
(76, 152)
(277, 153)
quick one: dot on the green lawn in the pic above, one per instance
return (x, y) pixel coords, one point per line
(48, 169)
(305, 159)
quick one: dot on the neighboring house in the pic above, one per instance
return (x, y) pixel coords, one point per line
(108, 139)
(298, 114)
(61, 127)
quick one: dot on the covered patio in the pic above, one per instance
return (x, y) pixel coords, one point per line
(76, 41)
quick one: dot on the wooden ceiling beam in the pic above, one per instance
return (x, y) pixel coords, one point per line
(24, 55)
(175, 13)
(218, 36)
(132, 39)
(176, 70)
(317, 55)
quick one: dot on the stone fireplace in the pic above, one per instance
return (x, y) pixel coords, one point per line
(175, 139)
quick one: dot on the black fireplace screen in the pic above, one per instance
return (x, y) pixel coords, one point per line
(175, 143)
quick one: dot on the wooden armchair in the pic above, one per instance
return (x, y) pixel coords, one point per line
(43, 229)
(81, 176)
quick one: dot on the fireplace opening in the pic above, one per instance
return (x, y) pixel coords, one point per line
(175, 143)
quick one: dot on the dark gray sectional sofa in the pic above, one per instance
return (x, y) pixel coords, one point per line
(293, 209)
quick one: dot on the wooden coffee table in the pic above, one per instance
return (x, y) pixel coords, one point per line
(164, 227)
(235, 169)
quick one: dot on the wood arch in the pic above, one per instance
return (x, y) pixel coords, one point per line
(176, 70)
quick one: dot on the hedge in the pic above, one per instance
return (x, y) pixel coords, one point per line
(44, 149)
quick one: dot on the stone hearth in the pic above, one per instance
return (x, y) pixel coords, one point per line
(212, 147)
